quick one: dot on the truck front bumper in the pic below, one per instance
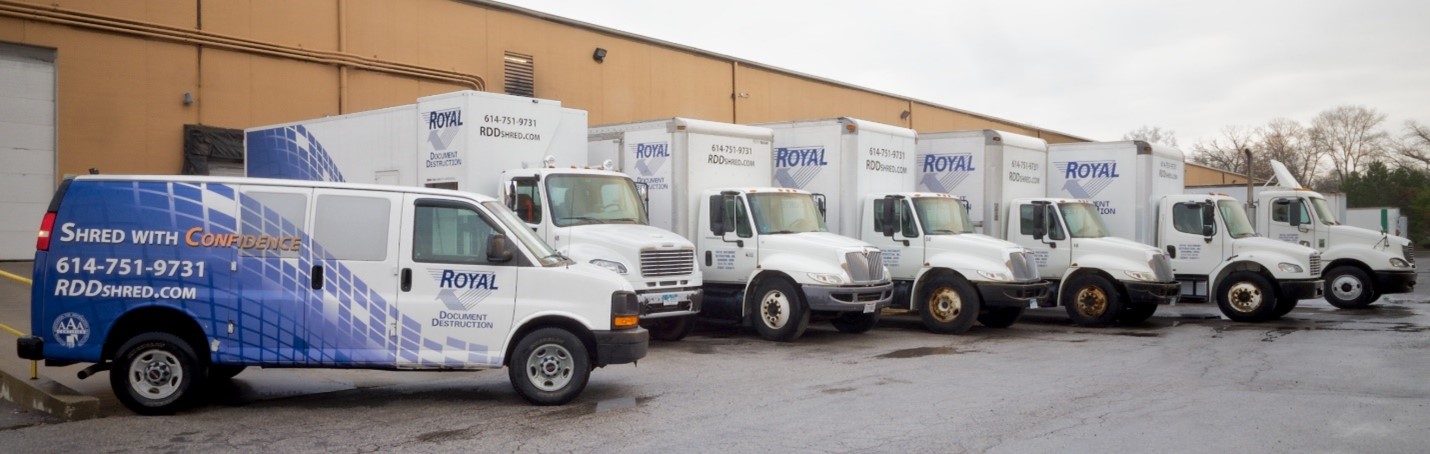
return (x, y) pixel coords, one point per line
(31, 348)
(1153, 292)
(670, 302)
(620, 347)
(848, 298)
(1394, 282)
(1017, 294)
(1302, 289)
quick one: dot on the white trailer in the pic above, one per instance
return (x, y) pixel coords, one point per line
(510, 146)
(1098, 279)
(1138, 190)
(941, 269)
(765, 252)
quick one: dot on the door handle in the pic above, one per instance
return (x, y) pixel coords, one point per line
(317, 275)
(407, 279)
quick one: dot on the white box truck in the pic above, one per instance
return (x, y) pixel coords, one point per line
(1361, 264)
(941, 269)
(510, 146)
(1379, 219)
(1138, 189)
(1100, 280)
(765, 252)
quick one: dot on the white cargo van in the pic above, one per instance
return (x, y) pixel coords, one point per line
(170, 281)
(531, 153)
(942, 270)
(1137, 188)
(1099, 279)
(765, 253)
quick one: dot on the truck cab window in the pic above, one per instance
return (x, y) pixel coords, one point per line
(528, 201)
(450, 235)
(735, 215)
(1025, 222)
(907, 228)
(1280, 210)
(1187, 218)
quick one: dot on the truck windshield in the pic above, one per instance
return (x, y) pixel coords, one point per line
(1323, 211)
(594, 199)
(1082, 220)
(1236, 222)
(786, 213)
(522, 233)
(942, 215)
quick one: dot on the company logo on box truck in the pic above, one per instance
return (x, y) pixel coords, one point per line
(650, 157)
(795, 167)
(1087, 179)
(944, 172)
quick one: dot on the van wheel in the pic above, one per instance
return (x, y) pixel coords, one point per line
(1348, 287)
(1092, 300)
(780, 314)
(220, 372)
(1283, 307)
(855, 322)
(550, 366)
(154, 372)
(671, 329)
(1001, 317)
(1136, 313)
(1245, 296)
(949, 305)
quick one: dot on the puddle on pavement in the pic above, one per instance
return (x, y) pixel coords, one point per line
(917, 352)
(602, 406)
(1135, 334)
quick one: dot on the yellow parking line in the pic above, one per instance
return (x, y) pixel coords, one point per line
(25, 280)
(10, 330)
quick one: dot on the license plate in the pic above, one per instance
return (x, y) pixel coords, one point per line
(663, 299)
(869, 308)
(1033, 303)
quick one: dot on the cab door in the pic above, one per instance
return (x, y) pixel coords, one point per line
(1281, 226)
(1194, 247)
(1053, 251)
(904, 252)
(729, 257)
(455, 300)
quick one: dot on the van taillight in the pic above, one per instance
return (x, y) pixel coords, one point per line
(47, 225)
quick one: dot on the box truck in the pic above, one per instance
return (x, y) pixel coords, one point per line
(522, 150)
(1361, 264)
(171, 281)
(766, 255)
(1100, 280)
(941, 270)
(1138, 189)
(1379, 219)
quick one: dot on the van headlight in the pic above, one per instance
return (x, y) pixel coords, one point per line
(1290, 267)
(995, 275)
(1141, 275)
(1399, 262)
(827, 278)
(616, 267)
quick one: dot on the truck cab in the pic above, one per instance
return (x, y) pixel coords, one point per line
(943, 270)
(1100, 279)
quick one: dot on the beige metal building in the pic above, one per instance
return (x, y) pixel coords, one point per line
(111, 84)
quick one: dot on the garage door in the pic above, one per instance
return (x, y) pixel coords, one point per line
(27, 146)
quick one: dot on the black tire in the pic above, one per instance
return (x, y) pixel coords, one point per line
(1092, 300)
(221, 372)
(1001, 317)
(550, 366)
(855, 322)
(1347, 287)
(778, 311)
(154, 374)
(1136, 313)
(948, 304)
(670, 329)
(1246, 296)
(1283, 307)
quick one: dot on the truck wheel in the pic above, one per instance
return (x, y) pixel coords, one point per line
(1283, 307)
(1136, 313)
(855, 322)
(671, 329)
(154, 372)
(1245, 296)
(221, 372)
(1001, 317)
(1348, 287)
(1092, 300)
(550, 366)
(949, 305)
(779, 312)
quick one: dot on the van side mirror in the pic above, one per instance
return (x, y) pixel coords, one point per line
(819, 202)
(1040, 221)
(886, 215)
(496, 249)
(717, 215)
(1208, 219)
(1293, 212)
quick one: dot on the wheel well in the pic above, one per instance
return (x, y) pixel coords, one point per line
(1116, 284)
(760, 279)
(916, 293)
(553, 321)
(156, 319)
(1240, 266)
(1351, 263)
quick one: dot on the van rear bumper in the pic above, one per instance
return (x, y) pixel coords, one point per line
(1302, 289)
(30, 347)
(1012, 294)
(1153, 292)
(620, 347)
(1394, 282)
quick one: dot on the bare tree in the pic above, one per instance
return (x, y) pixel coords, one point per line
(1224, 152)
(1348, 138)
(1287, 141)
(1415, 144)
(1153, 134)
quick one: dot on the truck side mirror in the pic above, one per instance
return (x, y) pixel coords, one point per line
(717, 215)
(643, 190)
(1208, 219)
(886, 215)
(1293, 212)
(1040, 221)
(496, 249)
(510, 196)
(819, 202)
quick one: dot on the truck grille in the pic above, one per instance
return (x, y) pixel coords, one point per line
(1162, 267)
(667, 262)
(865, 266)
(1409, 253)
(1315, 264)
(1024, 267)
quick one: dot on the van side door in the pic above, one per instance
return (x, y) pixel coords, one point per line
(352, 271)
(273, 289)
(455, 300)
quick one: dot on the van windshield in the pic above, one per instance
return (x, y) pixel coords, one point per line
(1082, 220)
(942, 215)
(1236, 223)
(545, 255)
(594, 199)
(1323, 211)
(786, 213)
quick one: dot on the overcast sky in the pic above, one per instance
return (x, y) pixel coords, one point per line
(1095, 69)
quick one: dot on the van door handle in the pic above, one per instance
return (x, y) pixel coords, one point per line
(317, 275)
(407, 279)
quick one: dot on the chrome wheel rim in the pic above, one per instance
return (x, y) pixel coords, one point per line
(775, 309)
(1346, 287)
(550, 367)
(155, 374)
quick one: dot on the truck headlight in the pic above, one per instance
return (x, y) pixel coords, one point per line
(616, 267)
(827, 278)
(1289, 267)
(1399, 263)
(995, 275)
(1141, 275)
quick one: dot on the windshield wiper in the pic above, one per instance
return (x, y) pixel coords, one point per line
(776, 232)
(941, 231)
(585, 219)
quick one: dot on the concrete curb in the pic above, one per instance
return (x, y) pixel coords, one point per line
(47, 396)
